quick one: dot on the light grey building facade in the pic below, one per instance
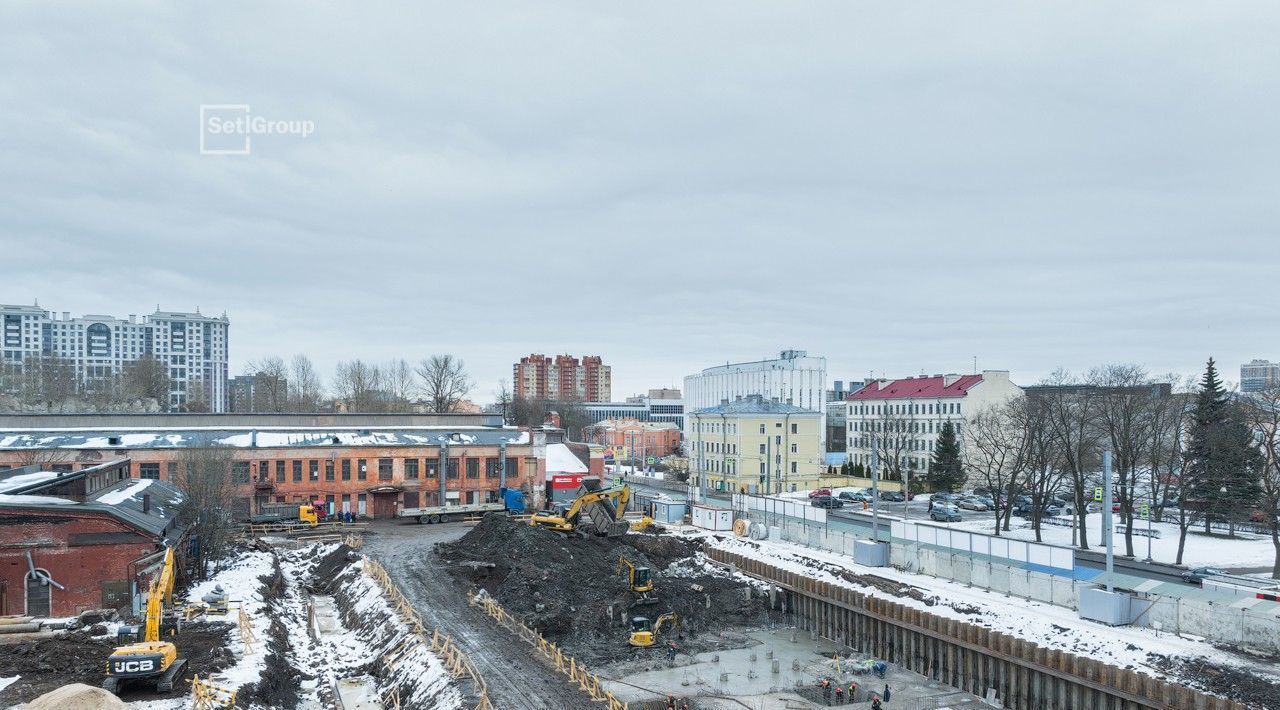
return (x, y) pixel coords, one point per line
(193, 346)
(794, 378)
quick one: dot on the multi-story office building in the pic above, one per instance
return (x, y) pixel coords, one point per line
(794, 378)
(540, 377)
(755, 445)
(1258, 375)
(645, 409)
(192, 346)
(910, 413)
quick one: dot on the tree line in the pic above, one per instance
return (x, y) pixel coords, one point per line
(47, 383)
(438, 383)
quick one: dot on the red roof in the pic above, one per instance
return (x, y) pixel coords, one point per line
(916, 387)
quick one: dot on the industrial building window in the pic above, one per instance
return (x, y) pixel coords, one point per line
(328, 470)
(149, 470)
(411, 471)
(264, 470)
(362, 469)
(451, 468)
(512, 470)
(433, 468)
(313, 467)
(384, 469)
(473, 468)
(297, 472)
(239, 471)
(491, 468)
(280, 471)
(346, 469)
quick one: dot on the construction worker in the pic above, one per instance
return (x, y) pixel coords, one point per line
(826, 690)
(875, 703)
(853, 689)
(671, 652)
(671, 702)
(839, 695)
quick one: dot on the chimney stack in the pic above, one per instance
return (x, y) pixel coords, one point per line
(146, 503)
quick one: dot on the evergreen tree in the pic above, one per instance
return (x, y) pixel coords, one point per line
(945, 471)
(1224, 463)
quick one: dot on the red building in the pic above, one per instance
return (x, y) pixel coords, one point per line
(60, 556)
(624, 438)
(564, 378)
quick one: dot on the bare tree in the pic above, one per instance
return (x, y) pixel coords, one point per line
(50, 382)
(270, 384)
(502, 397)
(994, 449)
(1072, 418)
(399, 384)
(894, 444)
(359, 384)
(444, 382)
(1263, 412)
(147, 378)
(305, 392)
(1039, 466)
(204, 476)
(1124, 414)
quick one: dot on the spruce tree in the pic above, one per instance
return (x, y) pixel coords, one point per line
(945, 471)
(1222, 475)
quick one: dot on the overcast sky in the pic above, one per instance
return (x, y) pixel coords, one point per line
(896, 186)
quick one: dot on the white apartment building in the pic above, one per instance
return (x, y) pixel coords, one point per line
(794, 378)
(193, 346)
(920, 405)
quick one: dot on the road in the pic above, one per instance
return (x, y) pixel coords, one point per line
(516, 675)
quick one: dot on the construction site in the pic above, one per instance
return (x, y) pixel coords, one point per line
(589, 602)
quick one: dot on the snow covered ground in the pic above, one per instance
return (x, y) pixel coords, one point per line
(1047, 625)
(1217, 551)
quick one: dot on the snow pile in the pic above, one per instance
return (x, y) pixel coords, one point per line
(240, 578)
(1050, 626)
(6, 682)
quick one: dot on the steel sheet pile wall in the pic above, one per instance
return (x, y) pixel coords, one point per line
(969, 657)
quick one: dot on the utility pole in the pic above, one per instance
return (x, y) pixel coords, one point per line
(875, 490)
(1106, 513)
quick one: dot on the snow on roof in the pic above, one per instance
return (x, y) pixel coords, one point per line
(6, 499)
(912, 387)
(249, 437)
(23, 480)
(561, 460)
(119, 495)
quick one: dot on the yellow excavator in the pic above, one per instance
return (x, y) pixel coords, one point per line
(150, 660)
(644, 631)
(596, 511)
(641, 580)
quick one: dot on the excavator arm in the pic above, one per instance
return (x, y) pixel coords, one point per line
(159, 595)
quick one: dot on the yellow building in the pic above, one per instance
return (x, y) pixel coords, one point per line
(755, 445)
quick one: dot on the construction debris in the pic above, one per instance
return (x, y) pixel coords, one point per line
(568, 589)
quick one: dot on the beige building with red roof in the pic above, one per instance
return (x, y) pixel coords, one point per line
(910, 413)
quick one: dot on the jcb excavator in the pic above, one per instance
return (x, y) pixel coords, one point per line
(596, 511)
(150, 660)
(641, 580)
(643, 631)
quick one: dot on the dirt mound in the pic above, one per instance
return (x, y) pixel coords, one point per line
(1239, 685)
(569, 589)
(50, 663)
(76, 696)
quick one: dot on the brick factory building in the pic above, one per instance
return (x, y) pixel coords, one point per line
(622, 437)
(564, 378)
(371, 471)
(81, 540)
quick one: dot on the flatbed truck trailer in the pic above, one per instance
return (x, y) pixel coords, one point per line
(512, 502)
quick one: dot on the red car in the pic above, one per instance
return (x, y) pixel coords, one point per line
(820, 492)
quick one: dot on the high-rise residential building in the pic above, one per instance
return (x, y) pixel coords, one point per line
(565, 377)
(192, 346)
(793, 378)
(259, 392)
(755, 445)
(903, 418)
(1258, 375)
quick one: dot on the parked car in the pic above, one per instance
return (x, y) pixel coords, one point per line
(820, 492)
(942, 497)
(987, 501)
(1047, 510)
(1197, 575)
(972, 503)
(826, 502)
(945, 513)
(892, 496)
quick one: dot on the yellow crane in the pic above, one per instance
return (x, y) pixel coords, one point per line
(641, 580)
(596, 510)
(149, 660)
(644, 631)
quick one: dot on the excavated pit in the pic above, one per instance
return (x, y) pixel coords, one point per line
(568, 588)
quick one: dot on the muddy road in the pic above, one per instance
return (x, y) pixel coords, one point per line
(514, 672)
